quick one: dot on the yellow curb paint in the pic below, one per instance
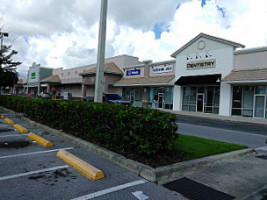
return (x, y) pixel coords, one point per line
(20, 128)
(83, 167)
(2, 117)
(40, 140)
(9, 121)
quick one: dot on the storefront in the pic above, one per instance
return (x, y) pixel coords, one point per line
(201, 99)
(37, 73)
(149, 84)
(112, 74)
(158, 97)
(249, 92)
(212, 76)
(200, 66)
(249, 101)
(78, 81)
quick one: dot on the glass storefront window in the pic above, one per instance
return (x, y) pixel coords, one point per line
(260, 89)
(209, 100)
(209, 97)
(237, 100)
(250, 101)
(193, 95)
(259, 106)
(186, 95)
(200, 90)
(248, 98)
(217, 97)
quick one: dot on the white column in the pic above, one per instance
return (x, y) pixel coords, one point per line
(225, 99)
(177, 98)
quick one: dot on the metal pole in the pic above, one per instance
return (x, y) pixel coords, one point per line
(101, 53)
(1, 49)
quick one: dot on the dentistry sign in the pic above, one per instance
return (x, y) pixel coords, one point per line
(201, 64)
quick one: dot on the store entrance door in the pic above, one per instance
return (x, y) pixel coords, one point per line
(259, 106)
(160, 100)
(200, 102)
(132, 97)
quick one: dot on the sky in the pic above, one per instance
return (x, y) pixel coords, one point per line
(64, 33)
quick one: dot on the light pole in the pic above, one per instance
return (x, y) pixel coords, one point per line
(101, 52)
(2, 35)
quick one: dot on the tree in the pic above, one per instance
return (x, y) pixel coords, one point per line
(8, 67)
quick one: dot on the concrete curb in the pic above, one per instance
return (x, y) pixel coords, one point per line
(257, 195)
(147, 172)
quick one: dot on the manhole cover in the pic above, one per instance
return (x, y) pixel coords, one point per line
(196, 191)
(14, 144)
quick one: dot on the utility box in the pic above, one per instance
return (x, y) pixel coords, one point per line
(67, 96)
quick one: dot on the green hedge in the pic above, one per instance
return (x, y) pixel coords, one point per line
(133, 130)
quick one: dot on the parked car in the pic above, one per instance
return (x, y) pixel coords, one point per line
(115, 98)
(88, 99)
(44, 95)
(111, 98)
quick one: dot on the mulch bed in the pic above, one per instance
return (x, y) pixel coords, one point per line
(159, 160)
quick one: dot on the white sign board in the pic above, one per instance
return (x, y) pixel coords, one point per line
(163, 69)
(201, 64)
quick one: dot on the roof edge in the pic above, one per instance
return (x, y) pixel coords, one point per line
(250, 50)
(207, 37)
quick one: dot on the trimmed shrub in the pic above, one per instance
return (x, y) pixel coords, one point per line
(133, 130)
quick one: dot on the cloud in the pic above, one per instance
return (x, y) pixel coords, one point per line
(64, 33)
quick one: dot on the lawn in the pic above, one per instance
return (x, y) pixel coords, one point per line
(196, 147)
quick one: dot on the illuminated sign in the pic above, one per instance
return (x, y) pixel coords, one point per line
(163, 69)
(133, 72)
(201, 64)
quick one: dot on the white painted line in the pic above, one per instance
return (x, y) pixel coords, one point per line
(33, 172)
(37, 152)
(2, 136)
(110, 190)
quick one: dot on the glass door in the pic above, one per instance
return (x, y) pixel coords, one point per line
(160, 100)
(132, 97)
(259, 106)
(200, 102)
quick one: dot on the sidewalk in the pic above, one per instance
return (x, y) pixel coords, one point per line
(219, 117)
(240, 177)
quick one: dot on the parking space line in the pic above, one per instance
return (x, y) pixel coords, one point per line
(33, 172)
(37, 152)
(110, 190)
(2, 136)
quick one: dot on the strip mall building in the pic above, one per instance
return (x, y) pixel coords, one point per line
(212, 76)
(207, 75)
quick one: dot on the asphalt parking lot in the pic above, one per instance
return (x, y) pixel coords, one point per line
(30, 171)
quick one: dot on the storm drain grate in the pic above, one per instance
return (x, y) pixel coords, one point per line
(262, 157)
(196, 191)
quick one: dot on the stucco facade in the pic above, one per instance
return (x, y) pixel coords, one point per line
(214, 75)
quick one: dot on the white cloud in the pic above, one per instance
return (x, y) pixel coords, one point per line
(64, 33)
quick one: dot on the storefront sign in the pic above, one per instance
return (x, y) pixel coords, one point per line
(202, 64)
(133, 72)
(33, 75)
(163, 69)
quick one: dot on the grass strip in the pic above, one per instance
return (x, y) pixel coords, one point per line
(196, 147)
